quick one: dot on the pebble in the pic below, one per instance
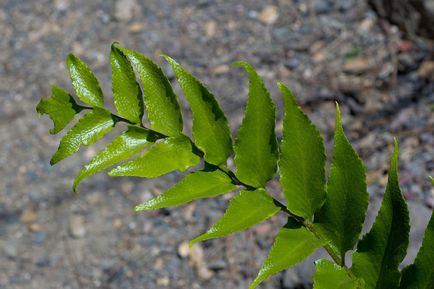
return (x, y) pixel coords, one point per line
(269, 15)
(136, 27)
(28, 216)
(35, 227)
(76, 226)
(163, 281)
(183, 250)
(10, 250)
(42, 261)
(124, 9)
(39, 238)
(357, 65)
(198, 262)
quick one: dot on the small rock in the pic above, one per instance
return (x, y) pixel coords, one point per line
(28, 216)
(263, 229)
(198, 262)
(10, 250)
(163, 281)
(42, 261)
(124, 9)
(35, 227)
(322, 6)
(357, 65)
(217, 265)
(39, 238)
(269, 15)
(210, 28)
(426, 70)
(219, 69)
(117, 223)
(183, 250)
(136, 27)
(76, 226)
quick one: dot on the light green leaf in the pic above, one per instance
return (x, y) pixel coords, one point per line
(292, 245)
(124, 146)
(127, 94)
(329, 275)
(245, 210)
(341, 218)
(197, 185)
(210, 126)
(302, 160)
(420, 275)
(432, 180)
(85, 84)
(384, 247)
(90, 128)
(173, 153)
(256, 144)
(162, 105)
(60, 107)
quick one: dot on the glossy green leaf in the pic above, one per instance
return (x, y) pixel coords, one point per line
(170, 154)
(164, 113)
(293, 244)
(420, 275)
(85, 84)
(381, 251)
(127, 94)
(90, 128)
(329, 275)
(60, 107)
(302, 160)
(124, 146)
(245, 210)
(197, 185)
(210, 126)
(256, 144)
(341, 218)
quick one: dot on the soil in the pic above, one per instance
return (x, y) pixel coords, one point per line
(325, 50)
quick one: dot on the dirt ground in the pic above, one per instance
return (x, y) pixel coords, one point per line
(324, 50)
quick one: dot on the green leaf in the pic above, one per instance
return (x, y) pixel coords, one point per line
(329, 275)
(420, 275)
(384, 247)
(90, 128)
(341, 218)
(85, 84)
(432, 180)
(256, 144)
(302, 160)
(127, 94)
(173, 153)
(246, 209)
(293, 244)
(197, 185)
(210, 126)
(162, 105)
(60, 107)
(124, 146)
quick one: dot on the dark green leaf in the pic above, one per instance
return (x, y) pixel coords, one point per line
(341, 218)
(302, 161)
(256, 144)
(197, 185)
(173, 153)
(121, 148)
(60, 107)
(245, 210)
(162, 105)
(127, 94)
(329, 275)
(420, 275)
(85, 84)
(90, 128)
(384, 247)
(292, 245)
(210, 126)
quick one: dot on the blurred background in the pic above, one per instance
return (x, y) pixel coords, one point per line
(373, 57)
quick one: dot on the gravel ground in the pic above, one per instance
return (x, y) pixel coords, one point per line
(324, 50)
